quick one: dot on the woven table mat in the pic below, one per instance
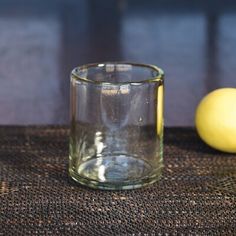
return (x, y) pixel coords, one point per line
(195, 196)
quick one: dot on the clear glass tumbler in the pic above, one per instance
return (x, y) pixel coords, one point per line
(116, 136)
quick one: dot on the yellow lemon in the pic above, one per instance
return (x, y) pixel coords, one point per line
(215, 119)
(160, 121)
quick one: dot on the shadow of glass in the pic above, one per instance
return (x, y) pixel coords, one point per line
(187, 139)
(217, 168)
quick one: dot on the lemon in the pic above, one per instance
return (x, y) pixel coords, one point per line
(215, 119)
(160, 121)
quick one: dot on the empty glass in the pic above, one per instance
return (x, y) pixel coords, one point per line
(116, 137)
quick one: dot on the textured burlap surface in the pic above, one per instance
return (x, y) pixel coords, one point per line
(196, 195)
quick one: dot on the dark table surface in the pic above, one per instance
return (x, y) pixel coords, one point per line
(41, 41)
(195, 196)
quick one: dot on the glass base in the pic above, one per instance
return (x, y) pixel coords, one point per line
(115, 173)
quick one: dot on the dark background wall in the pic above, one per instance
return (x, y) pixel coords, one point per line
(41, 41)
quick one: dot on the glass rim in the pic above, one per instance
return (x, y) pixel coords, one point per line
(77, 78)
